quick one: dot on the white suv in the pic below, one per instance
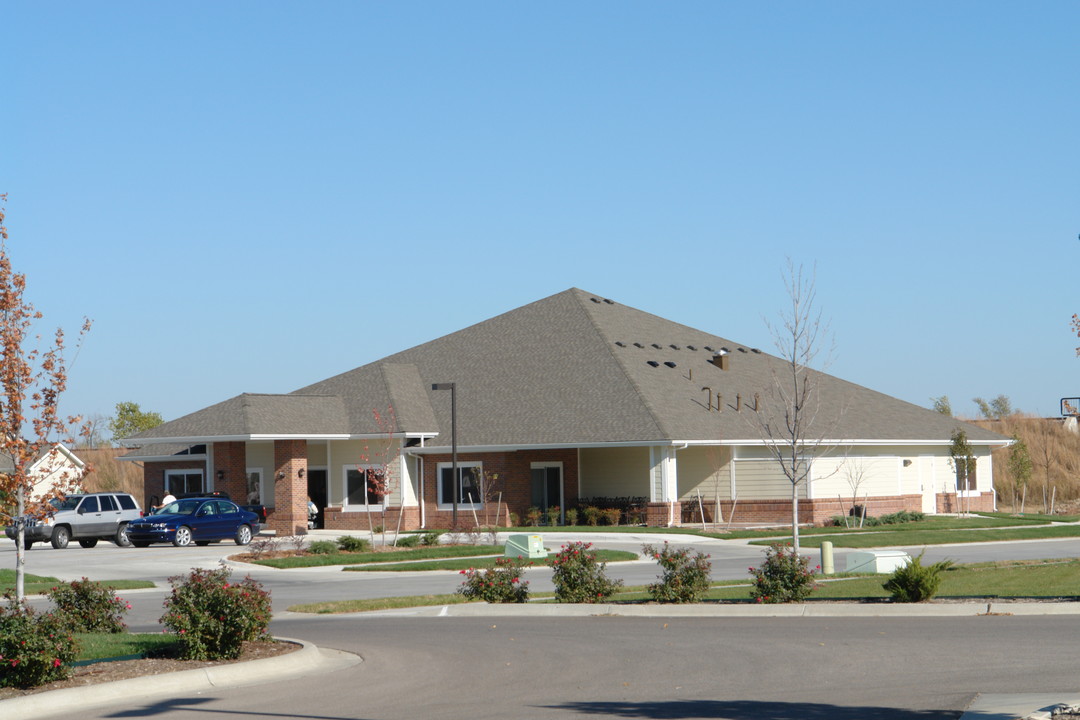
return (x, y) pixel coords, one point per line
(86, 518)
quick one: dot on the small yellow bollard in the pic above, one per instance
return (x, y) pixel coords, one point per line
(826, 558)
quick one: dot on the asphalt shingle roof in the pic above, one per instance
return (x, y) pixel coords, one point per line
(573, 368)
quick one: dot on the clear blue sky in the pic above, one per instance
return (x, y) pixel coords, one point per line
(252, 196)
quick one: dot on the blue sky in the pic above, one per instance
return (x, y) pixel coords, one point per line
(252, 196)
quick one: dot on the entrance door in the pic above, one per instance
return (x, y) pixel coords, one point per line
(547, 489)
(926, 480)
(316, 490)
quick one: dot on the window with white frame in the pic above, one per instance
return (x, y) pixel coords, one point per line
(255, 493)
(365, 487)
(183, 482)
(468, 490)
(965, 474)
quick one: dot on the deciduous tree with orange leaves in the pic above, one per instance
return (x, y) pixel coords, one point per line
(33, 376)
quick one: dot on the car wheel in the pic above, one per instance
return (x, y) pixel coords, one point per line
(140, 543)
(182, 538)
(121, 537)
(243, 535)
(27, 544)
(60, 537)
(88, 542)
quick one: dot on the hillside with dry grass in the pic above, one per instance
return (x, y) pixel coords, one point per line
(109, 473)
(1054, 448)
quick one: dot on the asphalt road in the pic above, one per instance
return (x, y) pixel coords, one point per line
(736, 669)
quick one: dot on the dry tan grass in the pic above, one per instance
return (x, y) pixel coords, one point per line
(1055, 459)
(108, 473)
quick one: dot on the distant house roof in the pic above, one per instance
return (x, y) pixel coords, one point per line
(569, 370)
(7, 466)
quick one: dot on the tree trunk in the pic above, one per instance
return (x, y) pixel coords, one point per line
(795, 518)
(20, 547)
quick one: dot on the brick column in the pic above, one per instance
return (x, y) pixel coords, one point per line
(230, 458)
(290, 490)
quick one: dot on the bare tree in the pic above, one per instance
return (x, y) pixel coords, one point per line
(790, 420)
(31, 383)
(855, 474)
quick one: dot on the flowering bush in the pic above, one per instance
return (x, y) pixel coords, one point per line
(685, 578)
(500, 584)
(214, 617)
(87, 606)
(783, 576)
(579, 578)
(34, 648)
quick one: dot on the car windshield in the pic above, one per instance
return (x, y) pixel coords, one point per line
(183, 507)
(68, 503)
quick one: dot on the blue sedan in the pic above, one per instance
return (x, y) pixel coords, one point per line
(195, 520)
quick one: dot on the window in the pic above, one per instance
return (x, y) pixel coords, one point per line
(126, 502)
(364, 487)
(90, 505)
(107, 503)
(183, 482)
(254, 487)
(468, 489)
(965, 475)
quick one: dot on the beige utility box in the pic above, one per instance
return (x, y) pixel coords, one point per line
(877, 561)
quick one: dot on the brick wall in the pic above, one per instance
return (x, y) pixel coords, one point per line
(290, 491)
(778, 512)
(949, 503)
(230, 458)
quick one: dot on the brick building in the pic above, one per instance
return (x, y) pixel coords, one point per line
(573, 396)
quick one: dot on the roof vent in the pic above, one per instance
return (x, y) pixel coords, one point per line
(656, 346)
(653, 363)
(673, 347)
(620, 343)
(691, 347)
(670, 364)
(755, 350)
(742, 350)
(595, 300)
(609, 302)
(639, 345)
(709, 349)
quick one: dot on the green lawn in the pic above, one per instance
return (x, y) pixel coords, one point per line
(480, 562)
(99, 646)
(36, 584)
(343, 558)
(893, 535)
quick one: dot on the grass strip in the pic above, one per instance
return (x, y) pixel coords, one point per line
(372, 604)
(344, 558)
(102, 646)
(480, 563)
(37, 584)
(936, 537)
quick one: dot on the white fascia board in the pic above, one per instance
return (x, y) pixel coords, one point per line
(160, 458)
(1005, 442)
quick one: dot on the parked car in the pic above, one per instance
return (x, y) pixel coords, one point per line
(85, 517)
(199, 520)
(259, 510)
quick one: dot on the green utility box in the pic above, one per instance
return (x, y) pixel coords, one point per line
(526, 546)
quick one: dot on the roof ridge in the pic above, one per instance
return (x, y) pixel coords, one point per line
(608, 343)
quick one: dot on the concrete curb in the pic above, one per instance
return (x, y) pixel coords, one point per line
(308, 659)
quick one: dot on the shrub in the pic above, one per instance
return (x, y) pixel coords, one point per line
(500, 584)
(612, 515)
(571, 516)
(350, 543)
(553, 514)
(408, 541)
(378, 529)
(87, 606)
(916, 582)
(34, 648)
(214, 617)
(903, 516)
(323, 547)
(592, 515)
(431, 537)
(532, 516)
(579, 578)
(783, 576)
(685, 578)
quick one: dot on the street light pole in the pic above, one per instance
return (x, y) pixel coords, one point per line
(456, 481)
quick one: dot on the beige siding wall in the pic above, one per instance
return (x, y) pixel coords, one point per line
(872, 476)
(760, 479)
(614, 472)
(704, 470)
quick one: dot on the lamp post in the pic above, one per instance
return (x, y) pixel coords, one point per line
(455, 481)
